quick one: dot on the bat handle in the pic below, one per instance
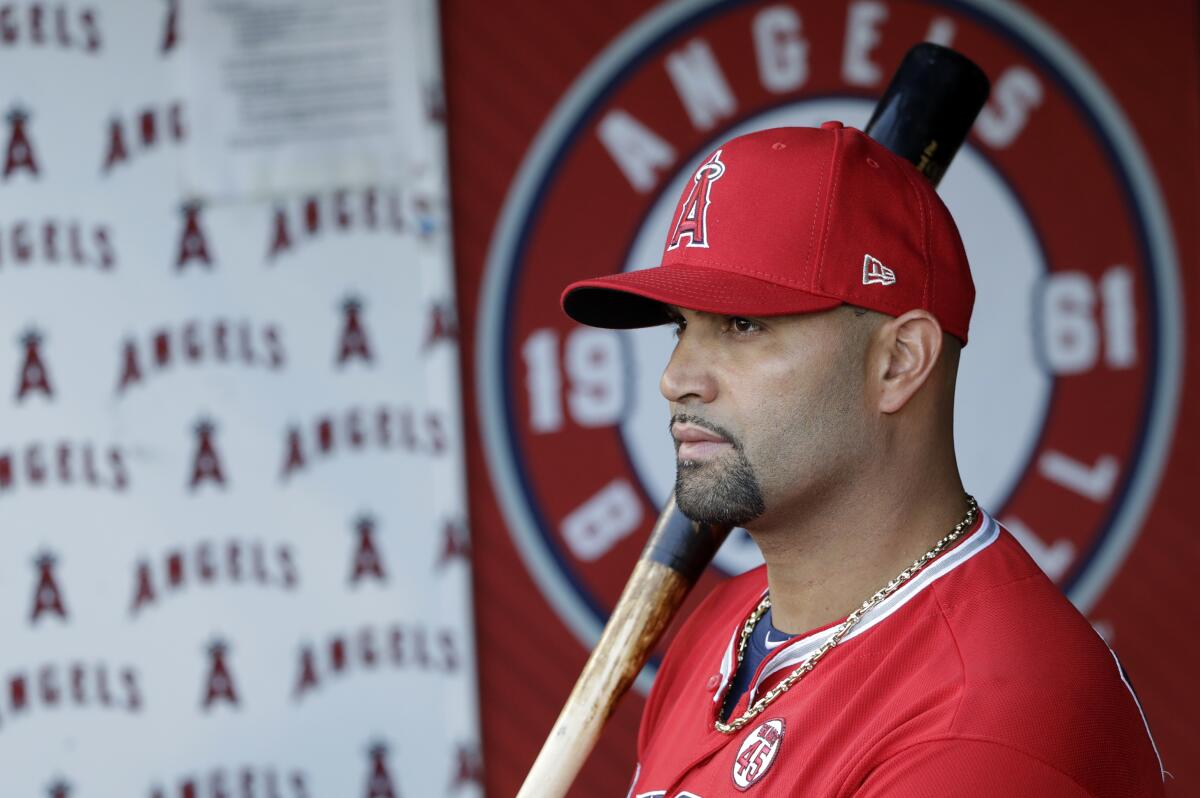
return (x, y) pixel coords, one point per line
(672, 560)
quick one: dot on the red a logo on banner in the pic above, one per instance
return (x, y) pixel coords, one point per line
(143, 592)
(116, 152)
(354, 337)
(308, 673)
(171, 29)
(281, 239)
(442, 324)
(131, 370)
(470, 769)
(34, 376)
(46, 595)
(294, 458)
(206, 465)
(455, 542)
(19, 153)
(192, 244)
(219, 686)
(366, 558)
(379, 782)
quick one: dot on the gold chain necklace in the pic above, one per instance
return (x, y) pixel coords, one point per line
(851, 620)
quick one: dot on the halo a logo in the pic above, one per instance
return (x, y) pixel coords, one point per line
(1067, 393)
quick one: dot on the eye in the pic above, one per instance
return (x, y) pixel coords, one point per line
(742, 325)
(678, 325)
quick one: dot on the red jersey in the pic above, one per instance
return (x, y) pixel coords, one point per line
(975, 678)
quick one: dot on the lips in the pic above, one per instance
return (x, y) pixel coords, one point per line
(697, 443)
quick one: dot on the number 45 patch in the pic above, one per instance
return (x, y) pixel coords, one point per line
(758, 751)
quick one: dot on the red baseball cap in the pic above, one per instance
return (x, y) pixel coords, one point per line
(796, 220)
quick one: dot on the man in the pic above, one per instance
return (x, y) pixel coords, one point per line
(897, 641)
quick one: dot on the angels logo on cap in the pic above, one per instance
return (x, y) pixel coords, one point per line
(693, 214)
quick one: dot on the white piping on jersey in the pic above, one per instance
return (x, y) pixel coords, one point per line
(803, 648)
(637, 774)
(727, 661)
(1138, 704)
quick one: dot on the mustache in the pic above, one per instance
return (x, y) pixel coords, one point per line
(687, 418)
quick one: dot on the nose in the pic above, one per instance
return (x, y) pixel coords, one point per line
(689, 376)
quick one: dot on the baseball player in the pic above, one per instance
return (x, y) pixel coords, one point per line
(897, 641)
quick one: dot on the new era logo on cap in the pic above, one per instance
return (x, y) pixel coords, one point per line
(875, 272)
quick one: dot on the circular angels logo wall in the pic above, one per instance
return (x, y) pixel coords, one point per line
(1068, 389)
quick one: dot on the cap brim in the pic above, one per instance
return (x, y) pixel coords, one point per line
(639, 298)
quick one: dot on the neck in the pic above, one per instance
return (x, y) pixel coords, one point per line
(827, 557)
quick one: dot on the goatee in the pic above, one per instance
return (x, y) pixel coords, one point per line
(722, 492)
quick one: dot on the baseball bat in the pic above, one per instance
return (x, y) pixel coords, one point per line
(923, 116)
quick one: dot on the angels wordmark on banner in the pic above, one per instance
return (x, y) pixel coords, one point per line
(195, 343)
(148, 128)
(244, 781)
(53, 242)
(369, 209)
(39, 25)
(398, 646)
(213, 565)
(383, 429)
(52, 686)
(353, 342)
(63, 463)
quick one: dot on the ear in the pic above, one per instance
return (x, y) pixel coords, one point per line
(907, 347)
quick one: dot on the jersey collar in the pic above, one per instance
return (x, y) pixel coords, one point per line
(793, 654)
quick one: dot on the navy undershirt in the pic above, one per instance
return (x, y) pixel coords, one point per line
(756, 652)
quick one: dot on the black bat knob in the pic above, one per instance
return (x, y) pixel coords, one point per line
(928, 108)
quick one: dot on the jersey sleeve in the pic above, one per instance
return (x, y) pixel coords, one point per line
(964, 768)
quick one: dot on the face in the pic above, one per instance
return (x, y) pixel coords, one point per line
(765, 412)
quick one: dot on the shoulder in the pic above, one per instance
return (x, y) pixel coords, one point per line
(978, 768)
(1037, 678)
(1012, 626)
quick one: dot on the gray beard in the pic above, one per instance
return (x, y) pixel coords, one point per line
(710, 493)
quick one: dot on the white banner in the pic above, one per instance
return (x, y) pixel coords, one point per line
(231, 484)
